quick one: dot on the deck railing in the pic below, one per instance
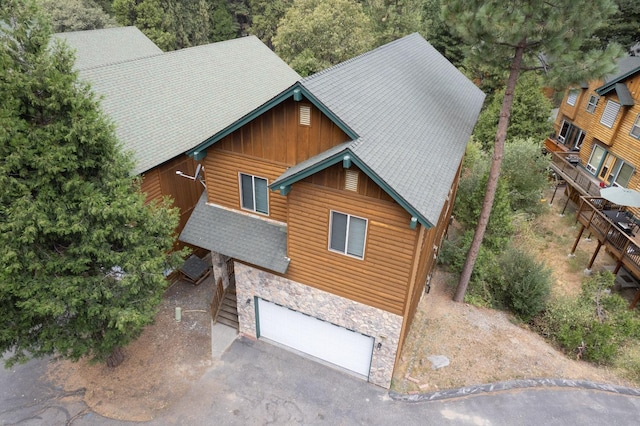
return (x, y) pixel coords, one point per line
(621, 245)
(216, 302)
(566, 165)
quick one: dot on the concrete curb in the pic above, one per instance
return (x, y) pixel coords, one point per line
(512, 384)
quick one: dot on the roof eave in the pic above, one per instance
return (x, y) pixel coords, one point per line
(296, 90)
(607, 87)
(347, 156)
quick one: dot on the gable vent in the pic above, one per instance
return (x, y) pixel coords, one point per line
(305, 115)
(351, 180)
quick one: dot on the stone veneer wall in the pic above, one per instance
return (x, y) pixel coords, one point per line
(383, 326)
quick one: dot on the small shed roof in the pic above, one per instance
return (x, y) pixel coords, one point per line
(107, 46)
(243, 237)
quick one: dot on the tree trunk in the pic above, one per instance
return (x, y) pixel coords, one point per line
(494, 173)
(116, 357)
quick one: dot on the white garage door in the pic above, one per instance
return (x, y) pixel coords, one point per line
(315, 337)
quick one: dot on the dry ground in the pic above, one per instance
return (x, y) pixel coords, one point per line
(483, 345)
(159, 367)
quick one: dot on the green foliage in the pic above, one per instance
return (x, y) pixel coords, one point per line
(439, 33)
(173, 24)
(622, 28)
(525, 172)
(486, 272)
(82, 256)
(316, 34)
(470, 195)
(530, 114)
(525, 284)
(492, 29)
(594, 325)
(265, 16)
(76, 15)
(392, 20)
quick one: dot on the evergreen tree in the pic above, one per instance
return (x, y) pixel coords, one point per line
(526, 35)
(76, 15)
(393, 19)
(265, 16)
(81, 256)
(623, 27)
(439, 34)
(176, 24)
(530, 115)
(315, 34)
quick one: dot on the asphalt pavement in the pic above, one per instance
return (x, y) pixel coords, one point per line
(256, 383)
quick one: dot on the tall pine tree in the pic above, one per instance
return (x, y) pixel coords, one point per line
(516, 36)
(81, 256)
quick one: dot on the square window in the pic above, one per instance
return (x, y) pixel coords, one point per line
(635, 129)
(593, 102)
(254, 193)
(347, 234)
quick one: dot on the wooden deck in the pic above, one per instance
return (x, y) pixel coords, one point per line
(598, 217)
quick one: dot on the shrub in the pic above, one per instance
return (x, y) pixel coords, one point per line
(593, 325)
(486, 269)
(525, 284)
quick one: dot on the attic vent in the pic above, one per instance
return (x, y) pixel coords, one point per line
(305, 115)
(351, 180)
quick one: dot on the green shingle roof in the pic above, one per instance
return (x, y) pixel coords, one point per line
(97, 48)
(627, 67)
(413, 112)
(166, 104)
(243, 237)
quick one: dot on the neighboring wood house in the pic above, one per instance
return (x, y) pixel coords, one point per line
(164, 104)
(595, 145)
(327, 204)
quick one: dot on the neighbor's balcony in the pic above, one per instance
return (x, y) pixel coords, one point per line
(567, 167)
(614, 228)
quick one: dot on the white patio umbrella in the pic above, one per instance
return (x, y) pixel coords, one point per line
(621, 196)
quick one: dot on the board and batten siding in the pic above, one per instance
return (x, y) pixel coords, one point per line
(223, 186)
(277, 135)
(335, 177)
(162, 181)
(381, 279)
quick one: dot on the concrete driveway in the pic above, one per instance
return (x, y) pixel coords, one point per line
(255, 383)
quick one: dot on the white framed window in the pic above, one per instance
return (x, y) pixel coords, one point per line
(572, 97)
(610, 113)
(347, 234)
(564, 130)
(595, 159)
(571, 135)
(623, 174)
(254, 193)
(635, 129)
(593, 102)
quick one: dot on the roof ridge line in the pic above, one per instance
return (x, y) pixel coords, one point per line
(360, 56)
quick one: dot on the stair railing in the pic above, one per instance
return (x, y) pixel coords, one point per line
(216, 302)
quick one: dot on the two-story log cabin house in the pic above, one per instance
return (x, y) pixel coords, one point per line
(328, 203)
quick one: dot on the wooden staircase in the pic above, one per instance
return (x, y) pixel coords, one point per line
(228, 310)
